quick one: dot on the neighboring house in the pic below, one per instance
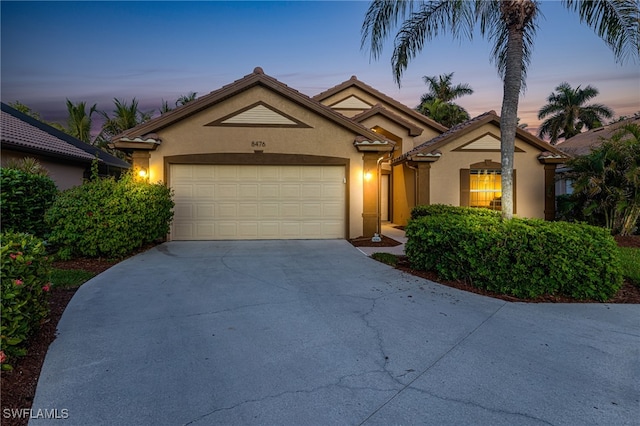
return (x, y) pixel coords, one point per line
(583, 143)
(67, 159)
(257, 159)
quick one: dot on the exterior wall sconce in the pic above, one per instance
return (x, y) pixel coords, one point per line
(367, 176)
(142, 173)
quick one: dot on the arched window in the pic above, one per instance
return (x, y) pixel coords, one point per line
(481, 185)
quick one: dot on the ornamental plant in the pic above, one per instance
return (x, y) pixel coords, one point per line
(26, 271)
(25, 196)
(521, 257)
(105, 217)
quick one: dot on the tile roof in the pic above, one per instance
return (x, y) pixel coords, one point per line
(353, 81)
(24, 133)
(583, 143)
(256, 78)
(430, 146)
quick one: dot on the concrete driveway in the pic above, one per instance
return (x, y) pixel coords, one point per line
(316, 333)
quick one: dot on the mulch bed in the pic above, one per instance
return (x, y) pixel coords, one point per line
(19, 385)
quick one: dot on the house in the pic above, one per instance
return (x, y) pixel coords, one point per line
(67, 159)
(583, 144)
(256, 159)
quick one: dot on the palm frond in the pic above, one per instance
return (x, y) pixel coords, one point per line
(617, 22)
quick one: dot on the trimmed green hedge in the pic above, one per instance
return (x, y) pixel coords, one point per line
(26, 271)
(109, 218)
(440, 209)
(24, 199)
(521, 257)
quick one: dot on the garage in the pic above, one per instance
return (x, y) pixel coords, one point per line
(246, 202)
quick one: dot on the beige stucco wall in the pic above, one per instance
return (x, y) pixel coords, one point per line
(64, 175)
(324, 138)
(445, 173)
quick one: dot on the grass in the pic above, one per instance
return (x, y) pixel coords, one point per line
(70, 278)
(388, 258)
(630, 259)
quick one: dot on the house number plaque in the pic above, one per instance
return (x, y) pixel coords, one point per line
(258, 144)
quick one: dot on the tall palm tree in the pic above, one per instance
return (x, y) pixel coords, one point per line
(438, 102)
(567, 113)
(79, 121)
(510, 25)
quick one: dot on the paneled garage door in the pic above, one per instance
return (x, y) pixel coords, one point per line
(226, 202)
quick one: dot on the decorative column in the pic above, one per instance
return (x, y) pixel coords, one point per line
(370, 193)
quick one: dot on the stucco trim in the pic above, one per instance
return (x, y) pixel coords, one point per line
(221, 121)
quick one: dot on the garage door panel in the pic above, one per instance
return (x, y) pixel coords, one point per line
(269, 190)
(258, 202)
(248, 210)
(204, 211)
(205, 191)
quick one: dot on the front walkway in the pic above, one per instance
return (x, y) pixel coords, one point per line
(389, 230)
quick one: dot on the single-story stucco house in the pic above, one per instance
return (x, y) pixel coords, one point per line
(256, 159)
(66, 159)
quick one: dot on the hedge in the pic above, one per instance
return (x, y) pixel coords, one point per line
(24, 199)
(26, 271)
(109, 218)
(522, 257)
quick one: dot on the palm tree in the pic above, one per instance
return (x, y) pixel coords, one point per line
(510, 25)
(567, 113)
(79, 122)
(185, 99)
(607, 182)
(440, 96)
(446, 113)
(125, 116)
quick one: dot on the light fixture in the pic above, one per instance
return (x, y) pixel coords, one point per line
(142, 173)
(367, 176)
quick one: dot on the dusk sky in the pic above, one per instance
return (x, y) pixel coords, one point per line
(96, 51)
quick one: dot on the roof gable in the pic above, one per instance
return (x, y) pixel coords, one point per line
(412, 129)
(486, 142)
(259, 114)
(257, 78)
(382, 98)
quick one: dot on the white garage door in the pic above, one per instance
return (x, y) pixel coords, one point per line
(258, 202)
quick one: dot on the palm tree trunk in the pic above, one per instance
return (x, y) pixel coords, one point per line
(509, 115)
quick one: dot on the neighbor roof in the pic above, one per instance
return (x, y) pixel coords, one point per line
(583, 143)
(26, 134)
(431, 146)
(257, 78)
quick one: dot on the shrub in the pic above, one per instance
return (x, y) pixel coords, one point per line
(25, 282)
(440, 209)
(24, 199)
(108, 217)
(522, 257)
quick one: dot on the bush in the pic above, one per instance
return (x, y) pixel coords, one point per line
(521, 257)
(26, 271)
(109, 218)
(24, 199)
(440, 209)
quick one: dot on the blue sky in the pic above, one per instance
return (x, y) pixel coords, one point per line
(96, 51)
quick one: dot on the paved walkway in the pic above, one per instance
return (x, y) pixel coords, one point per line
(388, 230)
(315, 333)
